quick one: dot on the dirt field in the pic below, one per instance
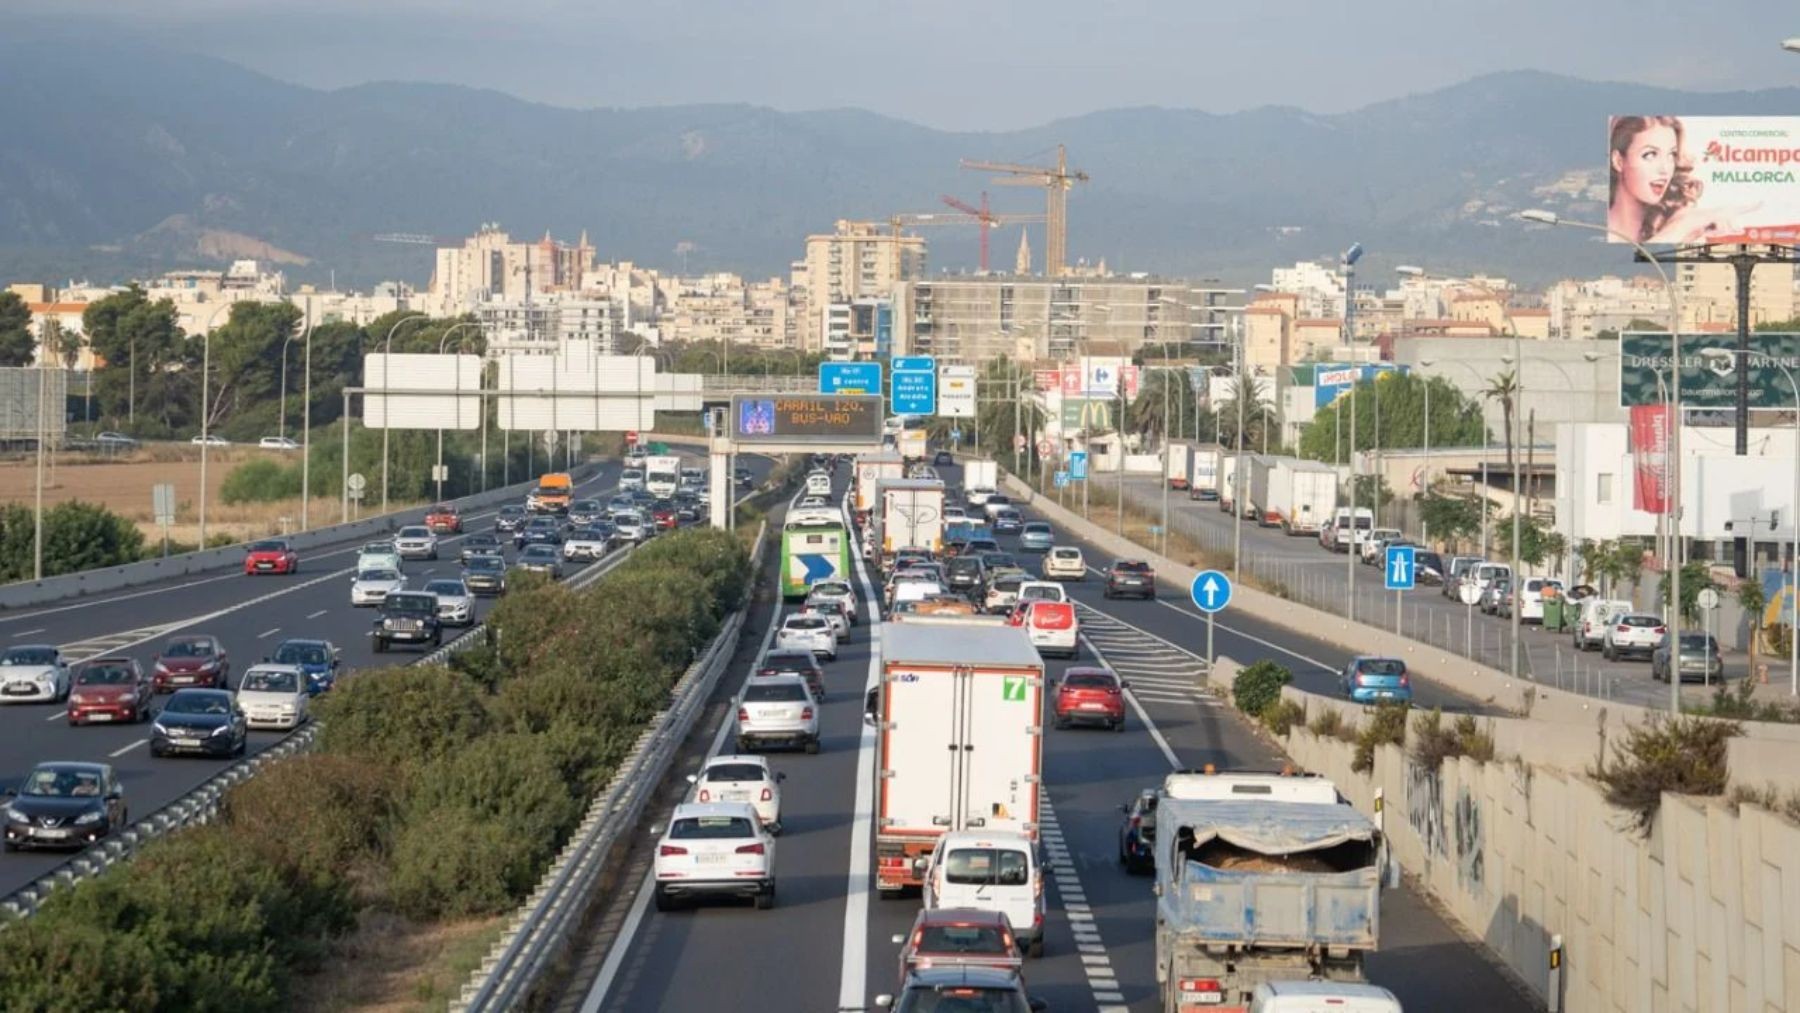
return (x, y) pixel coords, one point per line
(124, 486)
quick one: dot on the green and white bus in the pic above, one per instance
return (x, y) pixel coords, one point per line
(815, 546)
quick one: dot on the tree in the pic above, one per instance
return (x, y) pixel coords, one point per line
(1164, 389)
(142, 360)
(17, 346)
(245, 386)
(1696, 576)
(1399, 406)
(1504, 388)
(1452, 518)
(1258, 412)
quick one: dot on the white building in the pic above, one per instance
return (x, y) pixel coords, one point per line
(1320, 288)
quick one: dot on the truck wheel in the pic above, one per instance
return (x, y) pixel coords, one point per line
(812, 747)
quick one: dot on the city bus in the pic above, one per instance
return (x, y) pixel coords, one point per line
(815, 546)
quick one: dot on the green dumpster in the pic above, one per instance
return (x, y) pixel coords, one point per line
(1553, 613)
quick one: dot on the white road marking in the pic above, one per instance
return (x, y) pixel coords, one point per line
(853, 980)
(27, 633)
(317, 614)
(1250, 637)
(58, 716)
(266, 633)
(126, 749)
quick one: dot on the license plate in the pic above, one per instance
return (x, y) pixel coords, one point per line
(735, 796)
(1093, 706)
(709, 858)
(185, 743)
(55, 835)
(100, 716)
(265, 566)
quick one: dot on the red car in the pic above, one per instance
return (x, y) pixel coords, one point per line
(1090, 696)
(272, 555)
(444, 520)
(959, 937)
(198, 660)
(110, 691)
(664, 514)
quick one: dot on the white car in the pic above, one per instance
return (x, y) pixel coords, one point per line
(1531, 597)
(1002, 592)
(210, 440)
(954, 514)
(744, 778)
(278, 443)
(631, 479)
(778, 710)
(584, 544)
(994, 504)
(715, 849)
(378, 556)
(456, 605)
(629, 526)
(1042, 590)
(1375, 542)
(814, 503)
(1596, 615)
(978, 496)
(807, 632)
(818, 484)
(33, 673)
(1064, 562)
(1637, 633)
(273, 696)
(369, 587)
(834, 592)
(416, 541)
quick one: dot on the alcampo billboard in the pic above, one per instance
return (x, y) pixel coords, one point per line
(1691, 180)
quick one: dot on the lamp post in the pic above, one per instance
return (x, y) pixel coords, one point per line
(1675, 422)
(387, 379)
(1348, 262)
(305, 417)
(438, 471)
(206, 409)
(1425, 471)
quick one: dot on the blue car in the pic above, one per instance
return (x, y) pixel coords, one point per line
(1376, 680)
(317, 659)
(1036, 536)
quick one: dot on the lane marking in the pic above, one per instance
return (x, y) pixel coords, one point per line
(266, 633)
(853, 980)
(27, 633)
(58, 716)
(122, 751)
(317, 614)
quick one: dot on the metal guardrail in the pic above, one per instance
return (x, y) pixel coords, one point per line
(541, 929)
(202, 803)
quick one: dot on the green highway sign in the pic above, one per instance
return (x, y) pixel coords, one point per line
(1709, 369)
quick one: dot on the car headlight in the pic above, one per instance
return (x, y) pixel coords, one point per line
(78, 698)
(128, 698)
(16, 816)
(221, 730)
(162, 669)
(160, 728)
(89, 818)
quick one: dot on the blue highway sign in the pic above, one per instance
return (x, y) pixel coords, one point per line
(1399, 570)
(1211, 591)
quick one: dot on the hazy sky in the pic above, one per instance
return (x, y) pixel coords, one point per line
(971, 64)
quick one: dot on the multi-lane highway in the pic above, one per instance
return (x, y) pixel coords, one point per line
(250, 615)
(828, 942)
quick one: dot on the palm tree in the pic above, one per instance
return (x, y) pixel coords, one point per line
(1257, 408)
(1504, 388)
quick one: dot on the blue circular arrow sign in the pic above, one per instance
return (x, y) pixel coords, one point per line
(1211, 591)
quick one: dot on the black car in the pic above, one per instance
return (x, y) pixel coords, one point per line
(1428, 568)
(963, 987)
(1137, 833)
(800, 663)
(965, 573)
(942, 458)
(509, 518)
(485, 576)
(539, 531)
(408, 617)
(205, 722)
(480, 544)
(1130, 576)
(742, 476)
(64, 805)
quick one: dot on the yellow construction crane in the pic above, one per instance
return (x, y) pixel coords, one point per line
(979, 217)
(1057, 181)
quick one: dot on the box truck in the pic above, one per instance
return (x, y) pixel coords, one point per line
(909, 514)
(958, 718)
(1230, 465)
(662, 476)
(1178, 458)
(1203, 479)
(1296, 496)
(980, 475)
(870, 469)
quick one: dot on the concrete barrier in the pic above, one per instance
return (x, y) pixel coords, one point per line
(112, 578)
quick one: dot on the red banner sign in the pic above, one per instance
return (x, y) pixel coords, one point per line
(1046, 380)
(1650, 458)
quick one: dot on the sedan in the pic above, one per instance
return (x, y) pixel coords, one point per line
(485, 575)
(318, 660)
(479, 544)
(584, 512)
(509, 518)
(444, 519)
(1376, 680)
(378, 556)
(191, 660)
(278, 443)
(415, 541)
(1008, 522)
(538, 531)
(1036, 536)
(203, 722)
(455, 604)
(370, 586)
(807, 633)
(33, 673)
(115, 441)
(1130, 576)
(272, 555)
(542, 559)
(64, 805)
(109, 690)
(585, 545)
(210, 440)
(273, 696)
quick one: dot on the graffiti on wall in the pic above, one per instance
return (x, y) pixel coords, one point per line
(1471, 844)
(1425, 807)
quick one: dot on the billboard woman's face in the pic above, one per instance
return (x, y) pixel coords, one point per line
(1647, 164)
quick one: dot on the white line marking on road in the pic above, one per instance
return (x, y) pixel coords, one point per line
(58, 716)
(1250, 637)
(266, 633)
(122, 751)
(1149, 725)
(853, 977)
(27, 633)
(317, 614)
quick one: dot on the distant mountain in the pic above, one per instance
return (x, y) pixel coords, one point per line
(123, 159)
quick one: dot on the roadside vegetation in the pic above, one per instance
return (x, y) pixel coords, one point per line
(436, 794)
(1683, 755)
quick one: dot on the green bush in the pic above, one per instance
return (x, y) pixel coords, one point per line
(1683, 755)
(399, 717)
(1259, 686)
(453, 862)
(1387, 727)
(320, 813)
(260, 481)
(77, 536)
(52, 964)
(1432, 743)
(1281, 716)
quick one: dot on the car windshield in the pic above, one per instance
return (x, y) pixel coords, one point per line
(1036, 528)
(1641, 622)
(734, 772)
(831, 589)
(987, 867)
(1066, 553)
(377, 575)
(188, 702)
(1010, 582)
(511, 511)
(452, 588)
(404, 604)
(29, 656)
(415, 533)
(1132, 566)
(480, 540)
(1381, 666)
(486, 564)
(1088, 680)
(378, 548)
(265, 680)
(302, 654)
(995, 560)
(189, 648)
(711, 828)
(53, 783)
(774, 692)
(268, 546)
(964, 939)
(1698, 642)
(789, 660)
(104, 675)
(807, 623)
(537, 552)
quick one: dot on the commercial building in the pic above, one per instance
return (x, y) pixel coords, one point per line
(1560, 381)
(857, 260)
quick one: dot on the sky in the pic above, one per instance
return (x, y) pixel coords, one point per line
(987, 65)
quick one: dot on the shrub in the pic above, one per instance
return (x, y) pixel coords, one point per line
(1281, 716)
(717, 556)
(260, 481)
(1783, 803)
(1259, 686)
(587, 698)
(396, 718)
(1432, 743)
(1683, 755)
(1739, 704)
(1328, 723)
(77, 536)
(451, 862)
(1387, 727)
(320, 813)
(52, 963)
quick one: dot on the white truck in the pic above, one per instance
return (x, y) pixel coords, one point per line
(871, 469)
(959, 727)
(980, 475)
(1296, 496)
(909, 514)
(1229, 466)
(1178, 459)
(1261, 877)
(662, 476)
(1203, 479)
(912, 445)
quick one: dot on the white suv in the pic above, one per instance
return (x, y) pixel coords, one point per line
(840, 627)
(808, 631)
(416, 542)
(715, 849)
(779, 710)
(742, 779)
(836, 593)
(1637, 633)
(1065, 562)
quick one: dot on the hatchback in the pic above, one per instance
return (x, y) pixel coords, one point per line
(1090, 696)
(1064, 562)
(1008, 521)
(110, 690)
(778, 710)
(1376, 680)
(1700, 659)
(1130, 577)
(958, 937)
(742, 779)
(715, 849)
(812, 632)
(1636, 633)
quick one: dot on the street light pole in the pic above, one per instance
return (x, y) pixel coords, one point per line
(438, 471)
(305, 418)
(1348, 261)
(387, 379)
(206, 410)
(1237, 468)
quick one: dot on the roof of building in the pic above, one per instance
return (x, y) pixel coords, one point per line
(1528, 311)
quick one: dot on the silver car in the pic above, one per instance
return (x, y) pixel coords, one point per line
(369, 587)
(584, 545)
(33, 673)
(778, 710)
(456, 605)
(416, 542)
(1036, 536)
(834, 592)
(541, 559)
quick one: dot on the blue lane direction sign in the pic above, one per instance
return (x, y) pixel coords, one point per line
(1062, 479)
(1399, 570)
(849, 377)
(1211, 591)
(1078, 465)
(914, 385)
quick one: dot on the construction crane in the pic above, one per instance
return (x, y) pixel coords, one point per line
(1057, 181)
(965, 216)
(411, 239)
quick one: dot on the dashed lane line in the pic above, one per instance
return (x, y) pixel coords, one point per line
(126, 749)
(1096, 963)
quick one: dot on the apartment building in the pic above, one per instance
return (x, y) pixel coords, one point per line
(490, 265)
(857, 260)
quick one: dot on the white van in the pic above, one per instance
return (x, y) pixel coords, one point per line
(990, 871)
(1322, 997)
(1476, 583)
(1596, 615)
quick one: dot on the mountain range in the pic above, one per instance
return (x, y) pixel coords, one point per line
(120, 159)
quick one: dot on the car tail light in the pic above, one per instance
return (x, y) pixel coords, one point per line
(806, 714)
(671, 849)
(751, 849)
(1660, 630)
(705, 796)
(1203, 990)
(743, 713)
(1624, 628)
(768, 795)
(1405, 680)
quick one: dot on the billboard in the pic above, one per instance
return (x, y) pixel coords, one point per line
(577, 392)
(806, 418)
(1331, 380)
(1086, 414)
(422, 391)
(1709, 369)
(1703, 179)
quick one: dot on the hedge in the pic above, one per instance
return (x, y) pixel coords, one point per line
(433, 791)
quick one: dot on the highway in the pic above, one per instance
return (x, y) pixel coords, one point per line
(827, 943)
(250, 615)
